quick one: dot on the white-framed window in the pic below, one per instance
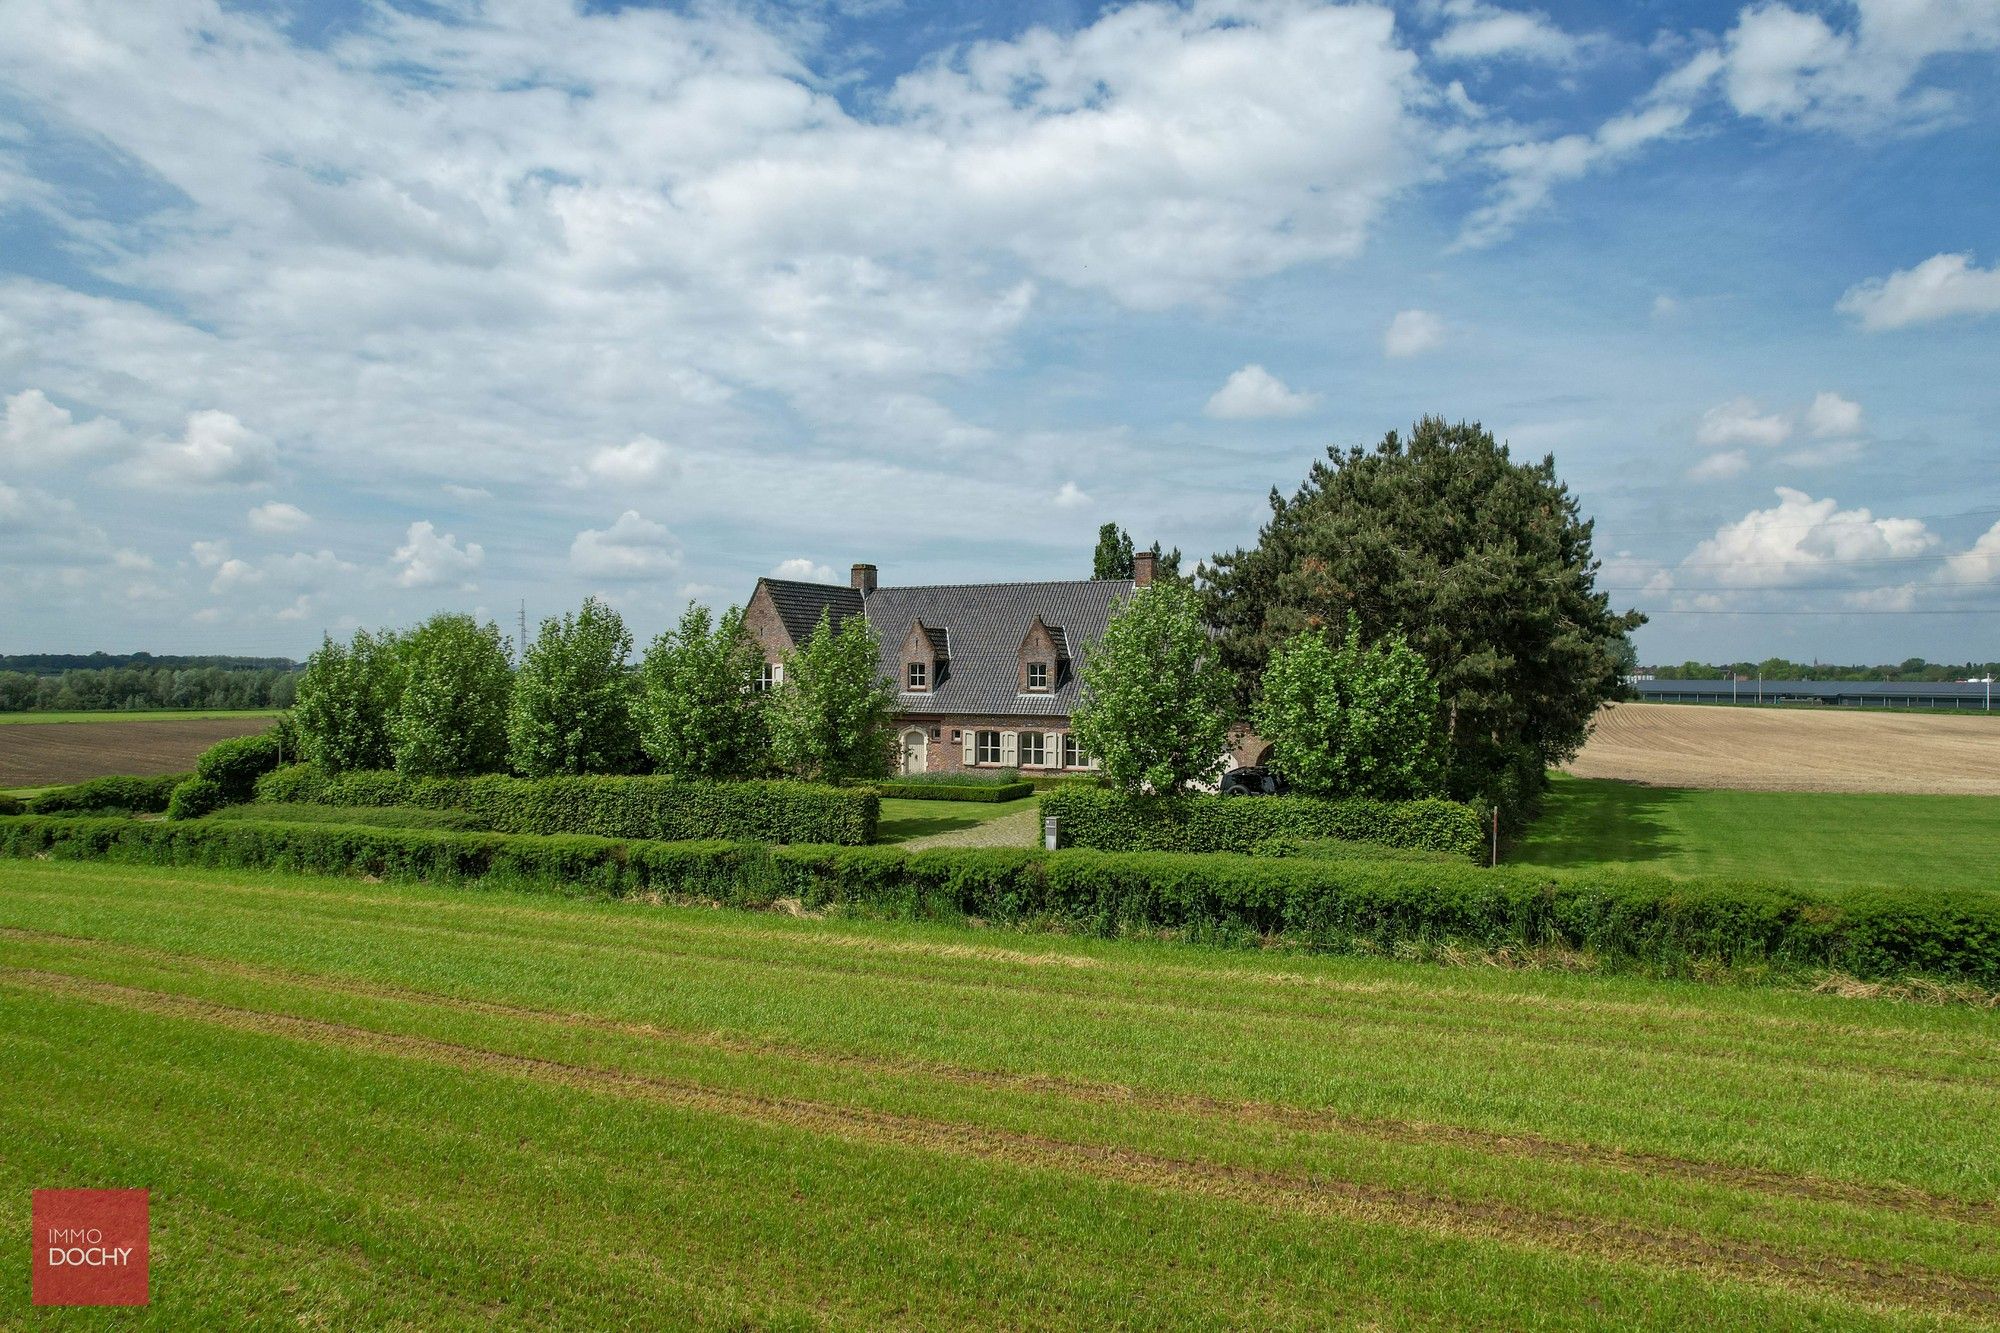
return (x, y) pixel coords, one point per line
(916, 676)
(986, 747)
(771, 675)
(1073, 755)
(1034, 753)
(1038, 675)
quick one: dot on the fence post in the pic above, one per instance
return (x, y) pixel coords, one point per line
(1496, 836)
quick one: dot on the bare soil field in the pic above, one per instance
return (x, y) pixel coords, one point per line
(60, 752)
(1687, 745)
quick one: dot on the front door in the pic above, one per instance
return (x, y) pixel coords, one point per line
(915, 751)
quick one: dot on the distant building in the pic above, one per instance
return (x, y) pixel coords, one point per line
(985, 673)
(1971, 695)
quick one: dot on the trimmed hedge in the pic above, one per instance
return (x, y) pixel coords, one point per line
(196, 797)
(139, 796)
(235, 765)
(1357, 906)
(990, 792)
(1109, 821)
(660, 809)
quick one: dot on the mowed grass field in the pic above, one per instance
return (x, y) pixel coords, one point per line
(50, 749)
(387, 1104)
(1833, 838)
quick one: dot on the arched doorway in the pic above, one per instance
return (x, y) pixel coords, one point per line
(916, 752)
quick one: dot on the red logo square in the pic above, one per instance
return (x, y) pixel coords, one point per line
(91, 1247)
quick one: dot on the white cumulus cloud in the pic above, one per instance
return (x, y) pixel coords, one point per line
(1942, 287)
(1070, 496)
(277, 518)
(1801, 540)
(1832, 417)
(633, 547)
(429, 558)
(1719, 467)
(1475, 30)
(1979, 565)
(804, 571)
(214, 450)
(1412, 333)
(1742, 421)
(1254, 393)
(638, 461)
(36, 432)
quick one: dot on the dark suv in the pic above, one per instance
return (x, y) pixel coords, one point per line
(1255, 780)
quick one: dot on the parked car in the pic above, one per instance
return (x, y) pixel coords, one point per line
(1256, 780)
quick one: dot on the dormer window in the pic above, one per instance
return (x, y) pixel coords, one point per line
(917, 676)
(1038, 675)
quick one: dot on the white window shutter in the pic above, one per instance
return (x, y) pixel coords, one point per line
(1010, 749)
(971, 755)
(1052, 753)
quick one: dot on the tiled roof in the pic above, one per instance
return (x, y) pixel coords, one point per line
(800, 604)
(985, 623)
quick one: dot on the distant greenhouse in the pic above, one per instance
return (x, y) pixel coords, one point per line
(1975, 695)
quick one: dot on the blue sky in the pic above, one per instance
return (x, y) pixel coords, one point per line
(321, 315)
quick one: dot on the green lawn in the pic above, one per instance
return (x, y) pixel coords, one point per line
(904, 819)
(395, 1105)
(138, 715)
(1825, 837)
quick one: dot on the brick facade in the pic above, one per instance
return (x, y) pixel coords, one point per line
(944, 754)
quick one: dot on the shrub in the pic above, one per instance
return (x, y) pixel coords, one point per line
(1114, 822)
(196, 797)
(633, 807)
(10, 805)
(991, 792)
(139, 796)
(1362, 906)
(235, 765)
(970, 777)
(386, 816)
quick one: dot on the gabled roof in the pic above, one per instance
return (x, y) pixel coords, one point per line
(799, 605)
(986, 623)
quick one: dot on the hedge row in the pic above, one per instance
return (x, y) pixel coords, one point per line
(660, 809)
(226, 774)
(1109, 821)
(992, 792)
(1353, 905)
(124, 795)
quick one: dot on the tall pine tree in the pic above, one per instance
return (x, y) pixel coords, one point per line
(1482, 563)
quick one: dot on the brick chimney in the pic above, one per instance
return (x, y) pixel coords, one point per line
(862, 579)
(1142, 569)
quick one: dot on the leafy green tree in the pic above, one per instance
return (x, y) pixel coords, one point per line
(699, 712)
(1156, 699)
(1486, 564)
(1352, 719)
(346, 698)
(571, 710)
(452, 718)
(831, 716)
(1113, 557)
